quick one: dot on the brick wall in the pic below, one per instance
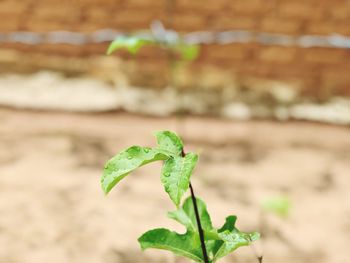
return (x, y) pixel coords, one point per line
(317, 69)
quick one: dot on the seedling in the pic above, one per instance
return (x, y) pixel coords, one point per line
(279, 206)
(202, 242)
(171, 42)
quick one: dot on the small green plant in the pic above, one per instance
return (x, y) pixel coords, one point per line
(201, 242)
(134, 43)
(279, 205)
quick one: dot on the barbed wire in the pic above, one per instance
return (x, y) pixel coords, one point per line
(159, 32)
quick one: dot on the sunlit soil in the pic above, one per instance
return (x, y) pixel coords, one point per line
(52, 208)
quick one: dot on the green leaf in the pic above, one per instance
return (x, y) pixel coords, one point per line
(231, 239)
(131, 43)
(187, 245)
(218, 242)
(170, 142)
(127, 161)
(176, 175)
(185, 215)
(278, 205)
(188, 51)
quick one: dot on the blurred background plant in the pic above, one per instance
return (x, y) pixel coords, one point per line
(276, 59)
(280, 205)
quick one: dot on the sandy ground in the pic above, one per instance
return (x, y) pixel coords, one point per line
(53, 210)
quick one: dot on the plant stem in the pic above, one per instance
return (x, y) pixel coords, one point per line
(258, 257)
(198, 219)
(200, 229)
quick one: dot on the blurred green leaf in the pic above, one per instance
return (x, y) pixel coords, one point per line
(131, 43)
(176, 175)
(188, 51)
(134, 43)
(127, 161)
(278, 205)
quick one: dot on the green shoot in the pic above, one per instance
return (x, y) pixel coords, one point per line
(280, 206)
(201, 242)
(134, 43)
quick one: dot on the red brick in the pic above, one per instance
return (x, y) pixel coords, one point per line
(328, 28)
(9, 23)
(56, 12)
(323, 28)
(145, 4)
(17, 46)
(134, 19)
(227, 52)
(321, 70)
(293, 70)
(277, 54)
(13, 8)
(340, 11)
(303, 10)
(98, 3)
(189, 22)
(91, 26)
(98, 15)
(59, 49)
(342, 28)
(324, 55)
(148, 52)
(234, 22)
(281, 25)
(251, 7)
(44, 25)
(201, 5)
(149, 73)
(336, 81)
(95, 49)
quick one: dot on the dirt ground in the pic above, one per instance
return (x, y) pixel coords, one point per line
(53, 210)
